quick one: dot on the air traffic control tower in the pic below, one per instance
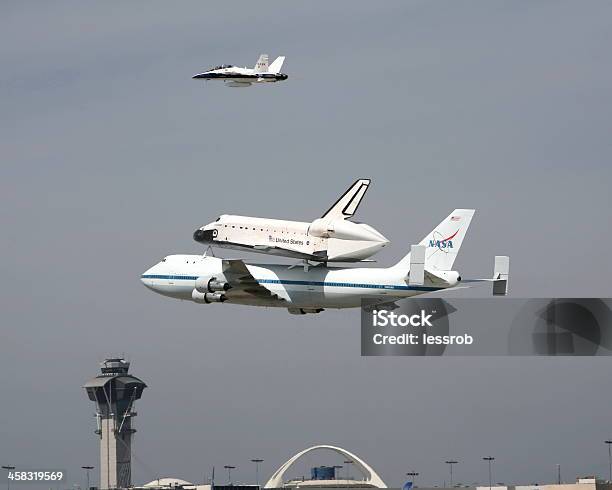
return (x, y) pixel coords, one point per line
(115, 391)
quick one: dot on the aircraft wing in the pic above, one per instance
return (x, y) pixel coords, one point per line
(239, 276)
(374, 304)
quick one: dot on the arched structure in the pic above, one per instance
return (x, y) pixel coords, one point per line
(371, 478)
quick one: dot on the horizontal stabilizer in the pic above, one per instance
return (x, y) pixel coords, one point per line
(501, 273)
(417, 265)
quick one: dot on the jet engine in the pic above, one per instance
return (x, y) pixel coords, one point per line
(210, 285)
(214, 285)
(199, 297)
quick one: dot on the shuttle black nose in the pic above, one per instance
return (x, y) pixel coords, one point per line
(203, 236)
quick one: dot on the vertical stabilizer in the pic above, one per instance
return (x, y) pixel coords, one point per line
(276, 65)
(501, 273)
(417, 265)
(443, 243)
(347, 204)
(262, 64)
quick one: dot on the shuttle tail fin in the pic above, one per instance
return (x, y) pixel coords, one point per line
(347, 205)
(262, 64)
(443, 243)
(276, 65)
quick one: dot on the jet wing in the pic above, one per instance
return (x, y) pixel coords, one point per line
(238, 275)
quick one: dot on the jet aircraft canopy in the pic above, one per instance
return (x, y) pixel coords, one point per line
(220, 67)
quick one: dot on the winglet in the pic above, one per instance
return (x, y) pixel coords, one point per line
(347, 205)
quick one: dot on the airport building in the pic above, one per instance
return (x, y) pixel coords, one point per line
(114, 391)
(321, 477)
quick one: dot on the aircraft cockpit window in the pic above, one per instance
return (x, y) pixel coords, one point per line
(220, 67)
(164, 259)
(218, 219)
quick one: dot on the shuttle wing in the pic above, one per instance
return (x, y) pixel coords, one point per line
(239, 276)
(347, 205)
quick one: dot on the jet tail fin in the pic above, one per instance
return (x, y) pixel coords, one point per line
(501, 273)
(262, 64)
(443, 243)
(276, 65)
(347, 205)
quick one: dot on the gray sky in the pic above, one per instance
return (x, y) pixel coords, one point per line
(112, 155)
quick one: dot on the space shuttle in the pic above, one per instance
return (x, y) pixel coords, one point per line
(330, 238)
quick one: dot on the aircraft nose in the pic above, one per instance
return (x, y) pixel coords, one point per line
(203, 236)
(148, 278)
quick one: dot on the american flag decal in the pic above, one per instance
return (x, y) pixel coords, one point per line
(455, 218)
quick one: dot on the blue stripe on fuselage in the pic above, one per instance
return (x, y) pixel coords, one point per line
(310, 283)
(164, 276)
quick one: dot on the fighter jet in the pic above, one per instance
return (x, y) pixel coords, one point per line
(243, 77)
(331, 238)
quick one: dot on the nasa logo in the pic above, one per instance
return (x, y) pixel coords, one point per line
(442, 243)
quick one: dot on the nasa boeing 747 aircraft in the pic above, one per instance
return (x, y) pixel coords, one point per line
(235, 76)
(331, 238)
(427, 268)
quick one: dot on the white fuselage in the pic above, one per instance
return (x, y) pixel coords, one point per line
(291, 287)
(239, 75)
(322, 240)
